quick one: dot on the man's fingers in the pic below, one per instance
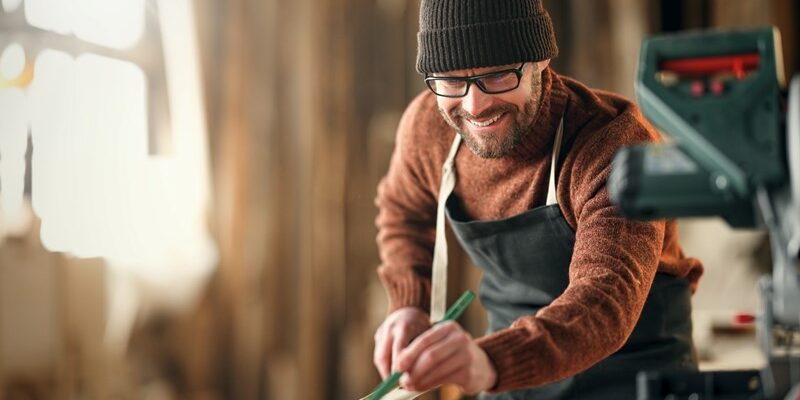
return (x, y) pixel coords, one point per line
(383, 353)
(396, 332)
(408, 357)
(439, 360)
(449, 370)
(400, 343)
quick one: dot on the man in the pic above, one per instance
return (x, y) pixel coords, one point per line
(579, 299)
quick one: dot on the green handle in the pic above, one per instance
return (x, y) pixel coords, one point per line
(386, 386)
(451, 314)
(458, 307)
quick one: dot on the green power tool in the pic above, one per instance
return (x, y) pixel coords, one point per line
(717, 95)
(733, 151)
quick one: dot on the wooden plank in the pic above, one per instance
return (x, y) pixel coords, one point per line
(322, 271)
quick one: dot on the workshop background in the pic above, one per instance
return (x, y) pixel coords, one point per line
(186, 189)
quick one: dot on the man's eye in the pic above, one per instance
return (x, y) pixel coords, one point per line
(499, 78)
(450, 83)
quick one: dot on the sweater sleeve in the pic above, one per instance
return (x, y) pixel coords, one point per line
(612, 268)
(407, 217)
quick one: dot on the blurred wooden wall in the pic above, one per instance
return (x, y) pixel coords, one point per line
(303, 99)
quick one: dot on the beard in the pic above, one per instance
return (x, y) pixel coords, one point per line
(498, 144)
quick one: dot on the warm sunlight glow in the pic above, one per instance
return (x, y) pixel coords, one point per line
(117, 24)
(13, 143)
(94, 184)
(11, 5)
(88, 157)
(12, 62)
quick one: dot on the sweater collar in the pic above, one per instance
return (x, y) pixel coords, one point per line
(538, 141)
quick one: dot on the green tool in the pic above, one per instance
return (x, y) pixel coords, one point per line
(718, 95)
(451, 314)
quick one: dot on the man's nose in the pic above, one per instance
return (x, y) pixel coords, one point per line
(476, 101)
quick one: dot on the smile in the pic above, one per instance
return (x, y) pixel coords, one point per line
(487, 122)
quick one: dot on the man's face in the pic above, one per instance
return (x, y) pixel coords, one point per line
(492, 125)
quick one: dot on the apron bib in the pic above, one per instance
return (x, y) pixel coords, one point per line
(525, 261)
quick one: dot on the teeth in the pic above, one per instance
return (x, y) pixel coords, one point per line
(487, 122)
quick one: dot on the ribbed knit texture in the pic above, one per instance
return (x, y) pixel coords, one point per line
(614, 260)
(461, 34)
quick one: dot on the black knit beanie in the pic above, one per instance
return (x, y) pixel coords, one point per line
(462, 34)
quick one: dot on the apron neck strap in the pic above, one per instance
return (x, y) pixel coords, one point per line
(551, 187)
(439, 273)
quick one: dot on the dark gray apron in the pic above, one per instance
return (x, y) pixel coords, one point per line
(525, 261)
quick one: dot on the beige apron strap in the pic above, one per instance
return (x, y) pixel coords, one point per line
(439, 274)
(551, 187)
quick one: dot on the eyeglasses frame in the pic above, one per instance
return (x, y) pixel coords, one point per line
(429, 81)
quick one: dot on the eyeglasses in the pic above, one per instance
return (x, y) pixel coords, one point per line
(491, 83)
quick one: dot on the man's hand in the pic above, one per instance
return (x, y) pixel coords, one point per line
(446, 354)
(394, 334)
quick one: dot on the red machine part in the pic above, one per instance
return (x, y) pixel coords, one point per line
(736, 64)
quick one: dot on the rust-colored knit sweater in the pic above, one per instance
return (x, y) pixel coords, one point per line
(614, 259)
